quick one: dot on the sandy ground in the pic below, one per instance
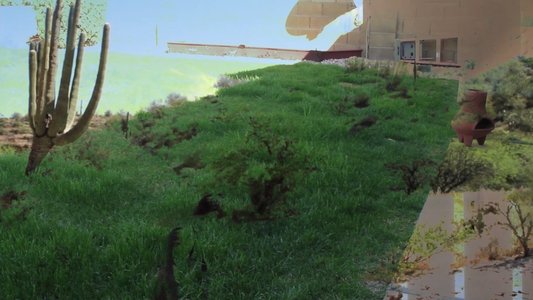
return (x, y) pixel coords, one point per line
(16, 133)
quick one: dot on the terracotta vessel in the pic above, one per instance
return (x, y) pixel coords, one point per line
(472, 121)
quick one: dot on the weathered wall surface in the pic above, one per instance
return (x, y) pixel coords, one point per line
(488, 32)
(309, 17)
(526, 18)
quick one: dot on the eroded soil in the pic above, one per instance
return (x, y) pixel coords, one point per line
(16, 133)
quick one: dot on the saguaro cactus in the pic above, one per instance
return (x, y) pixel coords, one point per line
(52, 118)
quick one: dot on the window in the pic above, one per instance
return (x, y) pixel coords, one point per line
(407, 50)
(448, 50)
(428, 50)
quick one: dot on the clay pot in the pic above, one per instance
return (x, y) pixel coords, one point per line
(472, 121)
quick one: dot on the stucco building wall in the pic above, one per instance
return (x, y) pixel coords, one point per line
(486, 32)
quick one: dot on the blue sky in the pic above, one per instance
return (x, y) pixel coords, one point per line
(250, 22)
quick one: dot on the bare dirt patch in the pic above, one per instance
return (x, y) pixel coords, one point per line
(365, 123)
(16, 133)
(6, 200)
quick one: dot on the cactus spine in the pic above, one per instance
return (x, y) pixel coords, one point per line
(52, 119)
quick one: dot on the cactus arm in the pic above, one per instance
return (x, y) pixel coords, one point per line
(60, 113)
(44, 64)
(83, 123)
(33, 87)
(44, 52)
(75, 84)
(51, 76)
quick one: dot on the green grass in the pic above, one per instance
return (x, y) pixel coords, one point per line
(94, 220)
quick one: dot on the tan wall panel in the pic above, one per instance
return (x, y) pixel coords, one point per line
(309, 17)
(425, 11)
(383, 23)
(527, 41)
(407, 36)
(408, 26)
(309, 9)
(444, 28)
(343, 39)
(298, 22)
(452, 11)
(489, 31)
(381, 54)
(318, 22)
(423, 27)
(336, 8)
(341, 46)
(356, 38)
(526, 6)
(476, 29)
(382, 40)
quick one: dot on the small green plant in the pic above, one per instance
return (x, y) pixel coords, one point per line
(470, 64)
(156, 108)
(518, 217)
(400, 68)
(511, 97)
(393, 84)
(460, 167)
(342, 106)
(16, 116)
(384, 69)
(427, 241)
(175, 99)
(415, 73)
(268, 166)
(226, 81)
(88, 151)
(413, 175)
(356, 65)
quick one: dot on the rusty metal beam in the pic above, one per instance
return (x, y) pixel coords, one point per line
(260, 52)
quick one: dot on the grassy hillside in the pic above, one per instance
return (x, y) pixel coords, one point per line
(92, 224)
